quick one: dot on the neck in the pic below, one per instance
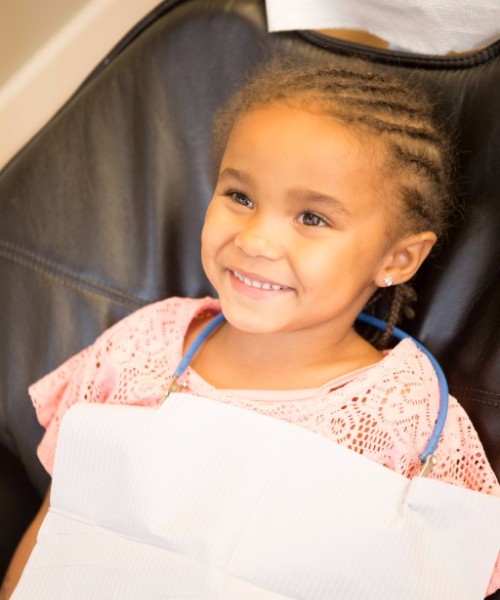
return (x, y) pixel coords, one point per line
(232, 358)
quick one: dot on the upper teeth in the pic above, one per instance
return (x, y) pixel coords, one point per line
(257, 284)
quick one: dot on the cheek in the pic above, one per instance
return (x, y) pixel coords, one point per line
(209, 225)
(337, 268)
(207, 250)
(212, 240)
(219, 226)
(206, 237)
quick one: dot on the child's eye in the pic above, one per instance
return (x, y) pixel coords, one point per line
(240, 198)
(312, 220)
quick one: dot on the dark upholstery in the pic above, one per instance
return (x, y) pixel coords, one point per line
(101, 212)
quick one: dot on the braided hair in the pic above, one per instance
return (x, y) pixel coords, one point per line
(398, 116)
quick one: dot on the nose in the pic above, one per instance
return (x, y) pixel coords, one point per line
(258, 239)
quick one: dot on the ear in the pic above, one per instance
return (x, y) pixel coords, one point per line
(404, 257)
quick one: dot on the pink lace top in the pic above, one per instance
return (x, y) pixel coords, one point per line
(385, 412)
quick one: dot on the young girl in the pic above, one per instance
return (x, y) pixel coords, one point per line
(333, 188)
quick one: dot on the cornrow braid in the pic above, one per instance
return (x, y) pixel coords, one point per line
(397, 115)
(390, 305)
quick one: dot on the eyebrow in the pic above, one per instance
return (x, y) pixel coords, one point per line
(324, 199)
(235, 174)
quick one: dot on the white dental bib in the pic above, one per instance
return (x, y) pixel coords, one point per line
(202, 500)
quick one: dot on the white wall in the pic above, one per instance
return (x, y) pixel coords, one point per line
(46, 49)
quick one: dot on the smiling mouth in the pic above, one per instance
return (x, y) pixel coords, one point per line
(256, 283)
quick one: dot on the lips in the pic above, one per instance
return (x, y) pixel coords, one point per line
(260, 284)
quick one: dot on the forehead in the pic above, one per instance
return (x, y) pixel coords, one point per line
(319, 143)
(307, 118)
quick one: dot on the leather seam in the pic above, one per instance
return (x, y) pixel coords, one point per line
(473, 393)
(67, 277)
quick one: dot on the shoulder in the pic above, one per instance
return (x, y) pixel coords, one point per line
(393, 407)
(398, 398)
(153, 334)
(404, 375)
(127, 364)
(461, 457)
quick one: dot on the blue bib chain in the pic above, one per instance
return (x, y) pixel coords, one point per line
(190, 352)
(427, 458)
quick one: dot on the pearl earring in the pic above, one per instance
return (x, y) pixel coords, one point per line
(388, 280)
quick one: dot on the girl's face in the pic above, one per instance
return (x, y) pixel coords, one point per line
(296, 233)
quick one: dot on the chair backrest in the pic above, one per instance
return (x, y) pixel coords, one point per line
(101, 212)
